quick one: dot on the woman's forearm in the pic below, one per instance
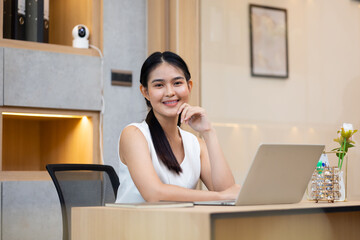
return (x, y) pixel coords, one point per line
(221, 174)
(166, 192)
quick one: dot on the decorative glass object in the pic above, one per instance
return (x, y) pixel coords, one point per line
(328, 182)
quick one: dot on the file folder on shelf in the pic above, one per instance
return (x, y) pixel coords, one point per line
(18, 20)
(35, 20)
(46, 21)
(7, 21)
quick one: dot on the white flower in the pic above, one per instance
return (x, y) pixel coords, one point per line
(348, 126)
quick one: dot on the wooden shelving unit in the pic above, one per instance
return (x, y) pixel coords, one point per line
(28, 143)
(64, 15)
(32, 138)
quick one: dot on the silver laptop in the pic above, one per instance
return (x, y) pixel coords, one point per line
(279, 174)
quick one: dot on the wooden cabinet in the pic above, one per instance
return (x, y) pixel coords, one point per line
(50, 94)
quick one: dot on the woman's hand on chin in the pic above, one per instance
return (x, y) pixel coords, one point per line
(195, 117)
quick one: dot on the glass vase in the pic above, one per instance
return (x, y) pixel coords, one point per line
(329, 182)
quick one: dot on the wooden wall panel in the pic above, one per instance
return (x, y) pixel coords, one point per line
(157, 26)
(174, 25)
(187, 40)
(21, 145)
(66, 14)
(66, 141)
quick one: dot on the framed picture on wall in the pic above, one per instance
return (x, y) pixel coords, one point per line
(268, 40)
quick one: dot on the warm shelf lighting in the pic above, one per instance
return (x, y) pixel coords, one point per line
(42, 115)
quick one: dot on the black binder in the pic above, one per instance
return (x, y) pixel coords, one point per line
(7, 21)
(18, 20)
(46, 21)
(35, 20)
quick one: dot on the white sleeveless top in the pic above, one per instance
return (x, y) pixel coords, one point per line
(188, 178)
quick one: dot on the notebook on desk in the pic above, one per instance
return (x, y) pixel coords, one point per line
(279, 174)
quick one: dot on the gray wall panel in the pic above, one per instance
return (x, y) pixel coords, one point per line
(1, 76)
(31, 210)
(51, 80)
(124, 49)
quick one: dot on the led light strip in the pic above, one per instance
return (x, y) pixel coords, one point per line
(41, 115)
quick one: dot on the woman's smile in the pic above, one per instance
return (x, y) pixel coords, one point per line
(171, 103)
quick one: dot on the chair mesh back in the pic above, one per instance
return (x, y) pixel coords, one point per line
(85, 188)
(80, 188)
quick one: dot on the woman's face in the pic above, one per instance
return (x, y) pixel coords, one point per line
(167, 90)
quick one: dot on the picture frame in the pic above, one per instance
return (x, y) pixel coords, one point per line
(268, 42)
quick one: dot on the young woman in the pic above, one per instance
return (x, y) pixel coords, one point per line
(158, 160)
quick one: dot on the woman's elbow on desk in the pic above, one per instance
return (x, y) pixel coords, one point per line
(156, 193)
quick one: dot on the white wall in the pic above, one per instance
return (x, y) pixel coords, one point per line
(308, 107)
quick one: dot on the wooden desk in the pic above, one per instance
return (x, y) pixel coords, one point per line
(306, 220)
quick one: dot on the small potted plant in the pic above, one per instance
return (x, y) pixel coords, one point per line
(345, 140)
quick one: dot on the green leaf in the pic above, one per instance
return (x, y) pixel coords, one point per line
(349, 145)
(335, 149)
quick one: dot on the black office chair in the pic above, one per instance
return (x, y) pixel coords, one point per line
(81, 185)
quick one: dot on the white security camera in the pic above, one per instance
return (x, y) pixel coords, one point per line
(80, 34)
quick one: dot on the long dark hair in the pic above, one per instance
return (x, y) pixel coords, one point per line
(161, 144)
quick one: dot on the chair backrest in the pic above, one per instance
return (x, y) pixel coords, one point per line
(81, 185)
